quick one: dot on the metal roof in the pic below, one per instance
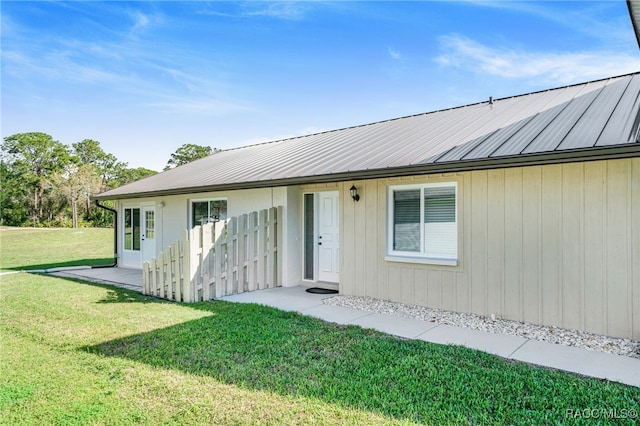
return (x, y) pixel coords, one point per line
(593, 120)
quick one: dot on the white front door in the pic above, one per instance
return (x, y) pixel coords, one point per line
(138, 235)
(328, 237)
(131, 237)
(148, 236)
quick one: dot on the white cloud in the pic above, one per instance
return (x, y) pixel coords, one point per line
(284, 10)
(394, 54)
(140, 20)
(558, 68)
(580, 17)
(289, 10)
(123, 68)
(61, 65)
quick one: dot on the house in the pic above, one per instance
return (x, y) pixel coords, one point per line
(526, 207)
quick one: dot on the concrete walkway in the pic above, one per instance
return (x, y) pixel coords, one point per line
(131, 279)
(582, 361)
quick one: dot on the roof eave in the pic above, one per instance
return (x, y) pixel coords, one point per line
(555, 157)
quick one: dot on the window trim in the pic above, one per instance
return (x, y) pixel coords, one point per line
(202, 200)
(419, 257)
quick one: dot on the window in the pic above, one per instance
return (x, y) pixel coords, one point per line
(150, 224)
(309, 237)
(423, 223)
(205, 211)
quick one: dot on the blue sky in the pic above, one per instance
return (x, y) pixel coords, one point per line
(143, 78)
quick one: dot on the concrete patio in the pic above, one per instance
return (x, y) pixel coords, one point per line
(582, 361)
(131, 279)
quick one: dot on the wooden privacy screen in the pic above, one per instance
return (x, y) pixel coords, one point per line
(219, 259)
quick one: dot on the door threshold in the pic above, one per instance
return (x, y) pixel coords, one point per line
(320, 284)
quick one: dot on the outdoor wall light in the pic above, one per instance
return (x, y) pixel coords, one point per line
(354, 193)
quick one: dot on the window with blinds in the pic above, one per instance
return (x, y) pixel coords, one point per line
(423, 221)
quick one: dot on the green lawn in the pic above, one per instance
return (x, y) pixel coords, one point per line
(79, 353)
(75, 353)
(42, 248)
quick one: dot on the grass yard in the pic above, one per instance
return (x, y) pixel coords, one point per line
(42, 248)
(74, 353)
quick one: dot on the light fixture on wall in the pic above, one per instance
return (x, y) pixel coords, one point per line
(354, 193)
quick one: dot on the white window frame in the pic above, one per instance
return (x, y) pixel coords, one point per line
(203, 200)
(419, 257)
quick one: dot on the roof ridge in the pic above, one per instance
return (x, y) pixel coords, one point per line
(428, 112)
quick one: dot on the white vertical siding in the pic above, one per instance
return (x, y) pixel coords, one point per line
(551, 244)
(532, 244)
(618, 238)
(477, 239)
(595, 218)
(572, 244)
(495, 232)
(556, 245)
(634, 241)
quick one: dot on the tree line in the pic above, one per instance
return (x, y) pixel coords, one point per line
(46, 183)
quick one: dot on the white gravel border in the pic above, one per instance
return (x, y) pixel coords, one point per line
(580, 339)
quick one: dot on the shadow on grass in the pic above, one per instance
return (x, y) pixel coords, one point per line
(80, 262)
(121, 295)
(117, 294)
(262, 348)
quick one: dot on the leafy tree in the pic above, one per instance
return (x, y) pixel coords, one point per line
(45, 182)
(131, 175)
(89, 151)
(187, 153)
(13, 209)
(106, 168)
(77, 184)
(35, 157)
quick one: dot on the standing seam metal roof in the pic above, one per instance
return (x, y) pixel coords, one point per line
(598, 118)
